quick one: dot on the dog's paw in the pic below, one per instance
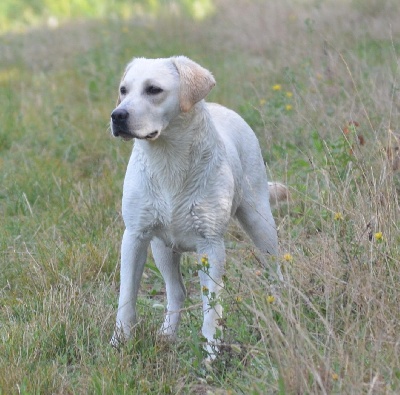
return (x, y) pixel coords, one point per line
(115, 342)
(166, 337)
(118, 338)
(211, 350)
(167, 332)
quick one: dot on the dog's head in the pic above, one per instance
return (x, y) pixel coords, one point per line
(153, 92)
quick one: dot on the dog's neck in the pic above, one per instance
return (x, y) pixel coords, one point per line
(184, 148)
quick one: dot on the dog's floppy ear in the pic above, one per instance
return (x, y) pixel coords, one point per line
(195, 82)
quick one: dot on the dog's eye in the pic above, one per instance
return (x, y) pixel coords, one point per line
(153, 90)
(122, 90)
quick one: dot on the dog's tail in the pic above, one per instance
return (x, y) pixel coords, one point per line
(277, 193)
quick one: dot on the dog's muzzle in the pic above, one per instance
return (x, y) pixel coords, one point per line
(119, 115)
(119, 119)
(120, 126)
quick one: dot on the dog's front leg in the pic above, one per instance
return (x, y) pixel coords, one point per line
(212, 259)
(133, 258)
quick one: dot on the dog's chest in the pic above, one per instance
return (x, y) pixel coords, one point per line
(180, 224)
(170, 199)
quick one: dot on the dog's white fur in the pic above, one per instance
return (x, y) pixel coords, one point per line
(194, 165)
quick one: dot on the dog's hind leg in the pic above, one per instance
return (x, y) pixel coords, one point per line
(168, 262)
(259, 224)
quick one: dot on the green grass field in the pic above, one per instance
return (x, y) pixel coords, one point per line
(318, 81)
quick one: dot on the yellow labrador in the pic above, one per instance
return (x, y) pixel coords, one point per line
(194, 165)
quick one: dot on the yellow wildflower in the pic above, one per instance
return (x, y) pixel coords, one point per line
(289, 94)
(288, 257)
(204, 261)
(338, 217)
(335, 376)
(277, 87)
(378, 236)
(270, 298)
(288, 107)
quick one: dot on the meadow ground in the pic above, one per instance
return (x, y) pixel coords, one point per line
(319, 83)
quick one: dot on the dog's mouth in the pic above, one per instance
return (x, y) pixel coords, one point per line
(152, 135)
(119, 132)
(124, 136)
(128, 136)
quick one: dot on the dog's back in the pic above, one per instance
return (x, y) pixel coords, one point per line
(243, 150)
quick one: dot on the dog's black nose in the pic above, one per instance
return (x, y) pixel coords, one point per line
(119, 115)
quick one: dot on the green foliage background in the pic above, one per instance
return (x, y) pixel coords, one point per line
(20, 14)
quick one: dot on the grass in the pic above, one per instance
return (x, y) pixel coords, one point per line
(319, 84)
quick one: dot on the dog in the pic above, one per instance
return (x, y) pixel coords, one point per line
(194, 165)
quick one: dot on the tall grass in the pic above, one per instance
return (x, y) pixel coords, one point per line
(318, 82)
